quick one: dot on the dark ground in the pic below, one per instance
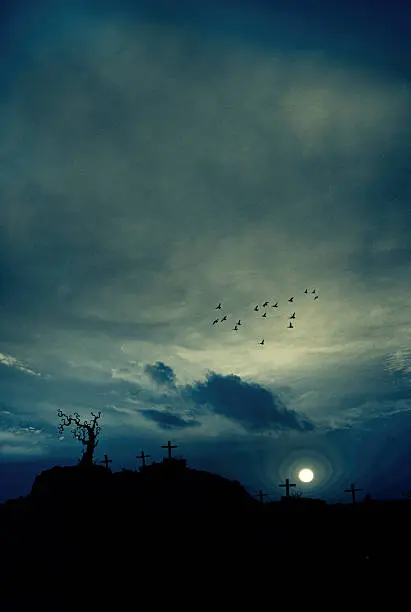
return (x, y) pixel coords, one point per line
(93, 540)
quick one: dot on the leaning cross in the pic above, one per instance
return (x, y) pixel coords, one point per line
(287, 486)
(352, 490)
(143, 458)
(169, 446)
(106, 460)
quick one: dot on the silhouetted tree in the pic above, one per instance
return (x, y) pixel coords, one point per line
(84, 431)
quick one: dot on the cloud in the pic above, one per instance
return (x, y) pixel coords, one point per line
(5, 409)
(132, 136)
(161, 373)
(249, 404)
(22, 440)
(151, 170)
(166, 419)
(12, 362)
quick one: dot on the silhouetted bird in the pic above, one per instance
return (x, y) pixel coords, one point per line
(265, 304)
(306, 291)
(219, 306)
(264, 315)
(313, 291)
(290, 326)
(275, 305)
(224, 318)
(235, 328)
(262, 341)
(291, 299)
(316, 297)
(293, 316)
(256, 308)
(238, 322)
(215, 321)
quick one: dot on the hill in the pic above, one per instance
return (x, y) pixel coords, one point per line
(169, 521)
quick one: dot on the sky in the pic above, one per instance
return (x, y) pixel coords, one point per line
(158, 158)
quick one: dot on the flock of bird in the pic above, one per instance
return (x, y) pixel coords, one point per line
(264, 315)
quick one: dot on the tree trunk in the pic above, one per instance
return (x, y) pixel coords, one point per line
(87, 458)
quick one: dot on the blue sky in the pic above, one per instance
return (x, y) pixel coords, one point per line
(156, 162)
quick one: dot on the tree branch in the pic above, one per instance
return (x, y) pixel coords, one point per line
(85, 432)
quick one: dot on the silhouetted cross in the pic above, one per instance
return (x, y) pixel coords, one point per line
(287, 486)
(352, 490)
(106, 460)
(143, 458)
(169, 446)
(261, 495)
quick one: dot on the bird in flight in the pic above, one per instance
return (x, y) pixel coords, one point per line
(306, 291)
(291, 299)
(219, 306)
(264, 315)
(293, 316)
(313, 291)
(256, 308)
(238, 322)
(275, 305)
(262, 341)
(265, 304)
(215, 321)
(224, 318)
(316, 297)
(235, 328)
(290, 326)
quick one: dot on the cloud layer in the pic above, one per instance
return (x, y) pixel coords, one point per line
(152, 168)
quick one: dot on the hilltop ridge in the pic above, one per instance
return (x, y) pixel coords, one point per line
(177, 519)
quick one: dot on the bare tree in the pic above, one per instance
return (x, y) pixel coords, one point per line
(84, 431)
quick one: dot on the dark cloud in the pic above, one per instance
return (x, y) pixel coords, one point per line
(169, 420)
(250, 404)
(161, 373)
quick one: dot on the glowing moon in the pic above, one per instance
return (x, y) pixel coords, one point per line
(306, 475)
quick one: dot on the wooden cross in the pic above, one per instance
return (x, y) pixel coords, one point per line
(287, 486)
(106, 460)
(143, 458)
(352, 490)
(169, 446)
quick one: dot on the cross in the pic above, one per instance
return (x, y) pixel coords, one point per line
(352, 490)
(106, 460)
(143, 458)
(169, 446)
(287, 486)
(261, 495)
